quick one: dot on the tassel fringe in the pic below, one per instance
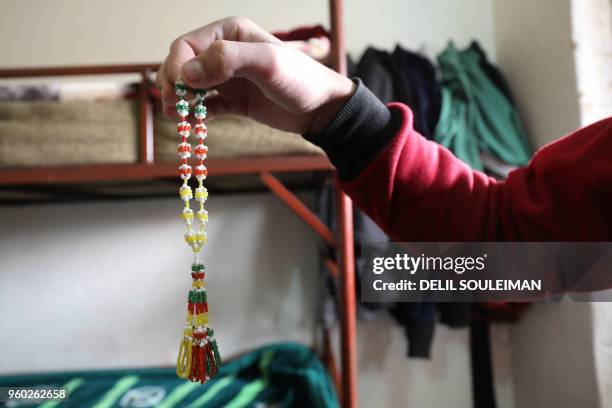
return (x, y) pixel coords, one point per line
(198, 357)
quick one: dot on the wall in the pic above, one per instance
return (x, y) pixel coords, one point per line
(93, 285)
(552, 347)
(106, 291)
(534, 48)
(592, 33)
(116, 31)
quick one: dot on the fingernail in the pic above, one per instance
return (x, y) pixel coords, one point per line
(193, 70)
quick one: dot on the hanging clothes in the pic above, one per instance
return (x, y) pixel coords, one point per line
(411, 79)
(381, 74)
(420, 74)
(418, 320)
(492, 72)
(476, 115)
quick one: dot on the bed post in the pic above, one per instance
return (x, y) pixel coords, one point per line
(348, 323)
(145, 124)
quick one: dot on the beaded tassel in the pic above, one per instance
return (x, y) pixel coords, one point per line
(198, 358)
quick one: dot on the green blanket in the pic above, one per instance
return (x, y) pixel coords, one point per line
(286, 375)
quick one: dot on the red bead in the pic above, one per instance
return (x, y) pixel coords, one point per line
(199, 307)
(180, 127)
(201, 149)
(201, 171)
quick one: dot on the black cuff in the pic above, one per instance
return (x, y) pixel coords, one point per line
(362, 129)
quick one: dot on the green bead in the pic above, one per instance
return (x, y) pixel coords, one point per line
(199, 267)
(216, 352)
(182, 107)
(180, 89)
(194, 297)
(197, 296)
(201, 94)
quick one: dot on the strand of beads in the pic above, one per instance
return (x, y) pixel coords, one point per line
(184, 150)
(198, 358)
(201, 172)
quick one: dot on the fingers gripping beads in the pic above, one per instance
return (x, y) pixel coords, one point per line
(198, 358)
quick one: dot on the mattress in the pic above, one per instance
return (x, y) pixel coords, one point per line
(81, 132)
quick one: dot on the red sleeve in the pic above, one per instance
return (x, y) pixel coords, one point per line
(416, 190)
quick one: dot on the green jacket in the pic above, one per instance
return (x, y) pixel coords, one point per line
(476, 115)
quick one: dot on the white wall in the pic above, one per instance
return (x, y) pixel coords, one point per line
(114, 31)
(264, 287)
(535, 51)
(92, 285)
(553, 361)
(592, 33)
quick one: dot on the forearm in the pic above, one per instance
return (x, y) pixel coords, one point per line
(416, 190)
(413, 188)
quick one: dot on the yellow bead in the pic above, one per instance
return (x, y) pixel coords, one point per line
(201, 319)
(183, 361)
(198, 284)
(191, 238)
(201, 194)
(201, 238)
(187, 214)
(185, 192)
(202, 215)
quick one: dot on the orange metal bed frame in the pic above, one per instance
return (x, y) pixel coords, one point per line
(147, 169)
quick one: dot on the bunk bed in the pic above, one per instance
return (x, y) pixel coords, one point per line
(270, 169)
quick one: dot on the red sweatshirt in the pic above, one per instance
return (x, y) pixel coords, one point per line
(416, 190)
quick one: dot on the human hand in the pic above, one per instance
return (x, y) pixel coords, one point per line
(255, 76)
